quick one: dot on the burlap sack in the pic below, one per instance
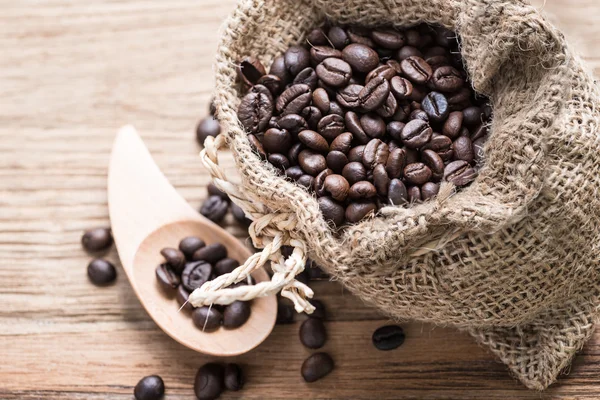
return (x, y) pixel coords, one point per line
(513, 258)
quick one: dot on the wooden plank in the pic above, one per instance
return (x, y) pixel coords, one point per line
(71, 72)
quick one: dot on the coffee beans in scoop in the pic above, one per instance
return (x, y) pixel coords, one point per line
(188, 267)
(367, 118)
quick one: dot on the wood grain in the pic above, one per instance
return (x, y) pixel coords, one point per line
(71, 73)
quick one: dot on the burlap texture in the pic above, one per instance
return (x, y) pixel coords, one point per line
(513, 258)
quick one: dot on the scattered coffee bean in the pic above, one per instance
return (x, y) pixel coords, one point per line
(207, 318)
(388, 337)
(208, 384)
(208, 126)
(320, 310)
(210, 253)
(239, 215)
(285, 313)
(101, 272)
(149, 388)
(234, 378)
(214, 208)
(312, 333)
(190, 245)
(317, 366)
(236, 314)
(97, 239)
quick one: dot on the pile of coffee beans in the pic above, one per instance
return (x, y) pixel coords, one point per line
(212, 379)
(187, 268)
(217, 204)
(95, 241)
(365, 118)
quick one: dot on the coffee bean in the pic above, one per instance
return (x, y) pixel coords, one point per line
(175, 258)
(331, 126)
(313, 334)
(257, 146)
(285, 313)
(182, 297)
(349, 96)
(388, 337)
(360, 209)
(437, 62)
(447, 79)
(149, 388)
(214, 208)
(416, 134)
(312, 115)
(225, 266)
(362, 190)
(401, 88)
(294, 173)
(338, 37)
(97, 239)
(317, 37)
(234, 378)
(277, 140)
(353, 124)
(251, 70)
(381, 179)
(384, 71)
(294, 99)
(320, 53)
(414, 194)
(480, 131)
(314, 141)
(408, 51)
(271, 82)
(320, 312)
(336, 161)
(319, 183)
(210, 253)
(394, 129)
(354, 172)
(417, 173)
(334, 72)
(279, 161)
(208, 126)
(320, 100)
(472, 116)
(436, 106)
(195, 274)
(397, 194)
(419, 114)
(308, 77)
(293, 123)
(316, 367)
(388, 109)
(342, 143)
(335, 108)
(360, 36)
(434, 162)
(306, 180)
(213, 190)
(413, 38)
(189, 245)
(294, 153)
(388, 38)
(429, 190)
(208, 383)
(312, 163)
(356, 153)
(395, 163)
(373, 125)
(416, 69)
(463, 149)
(296, 59)
(374, 94)
(206, 318)
(331, 210)
(255, 109)
(360, 57)
(460, 99)
(337, 186)
(279, 69)
(453, 125)
(101, 272)
(459, 173)
(236, 314)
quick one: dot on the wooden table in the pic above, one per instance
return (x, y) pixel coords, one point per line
(71, 72)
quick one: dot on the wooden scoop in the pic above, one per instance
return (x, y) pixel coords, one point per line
(147, 214)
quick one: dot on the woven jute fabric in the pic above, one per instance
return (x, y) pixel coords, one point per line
(514, 258)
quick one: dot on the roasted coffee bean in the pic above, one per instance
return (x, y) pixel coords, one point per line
(447, 79)
(360, 57)
(225, 266)
(413, 38)
(279, 70)
(360, 36)
(271, 82)
(453, 125)
(257, 146)
(416, 134)
(436, 106)
(214, 208)
(210, 253)
(463, 149)
(419, 114)
(408, 51)
(314, 141)
(352, 122)
(337, 186)
(213, 190)
(373, 125)
(388, 38)
(388, 337)
(331, 210)
(320, 312)
(316, 367)
(336, 161)
(436, 62)
(394, 129)
(416, 69)
(255, 110)
(338, 37)
(234, 378)
(101, 272)
(342, 143)
(285, 313)
(331, 126)
(349, 96)
(312, 115)
(356, 153)
(182, 297)
(459, 173)
(334, 72)
(189, 245)
(397, 194)
(385, 71)
(401, 88)
(208, 383)
(395, 163)
(388, 109)
(294, 153)
(354, 172)
(320, 53)
(460, 99)
(251, 70)
(97, 239)
(335, 108)
(359, 209)
(236, 314)
(296, 59)
(207, 319)
(293, 123)
(307, 181)
(319, 183)
(149, 388)
(312, 163)
(381, 179)
(418, 94)
(434, 162)
(435, 51)
(195, 274)
(294, 172)
(317, 37)
(175, 258)
(240, 216)
(307, 76)
(313, 334)
(293, 99)
(412, 156)
(417, 173)
(429, 190)
(472, 116)
(479, 132)
(167, 277)
(362, 190)
(208, 126)
(320, 100)
(442, 145)
(277, 140)
(376, 152)
(393, 145)
(414, 194)
(374, 94)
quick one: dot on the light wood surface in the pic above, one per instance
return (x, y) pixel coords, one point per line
(71, 73)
